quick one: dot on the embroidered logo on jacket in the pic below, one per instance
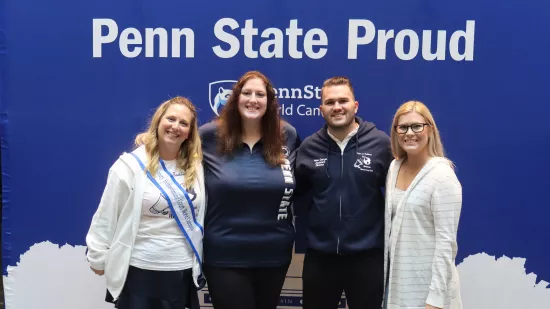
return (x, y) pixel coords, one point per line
(363, 162)
(320, 162)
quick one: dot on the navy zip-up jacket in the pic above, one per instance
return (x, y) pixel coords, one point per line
(345, 199)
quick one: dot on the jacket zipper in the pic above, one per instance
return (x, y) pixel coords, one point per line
(341, 178)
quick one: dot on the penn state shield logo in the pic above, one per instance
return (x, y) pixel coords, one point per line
(218, 93)
(286, 152)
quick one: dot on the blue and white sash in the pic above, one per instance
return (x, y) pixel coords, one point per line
(181, 206)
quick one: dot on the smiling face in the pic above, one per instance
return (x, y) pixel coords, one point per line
(338, 107)
(174, 126)
(253, 100)
(413, 133)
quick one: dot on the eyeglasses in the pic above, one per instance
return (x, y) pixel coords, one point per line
(416, 128)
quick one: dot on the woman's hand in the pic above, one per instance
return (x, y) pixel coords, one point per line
(98, 272)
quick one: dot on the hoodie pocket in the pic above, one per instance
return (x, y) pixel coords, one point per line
(322, 228)
(116, 264)
(320, 179)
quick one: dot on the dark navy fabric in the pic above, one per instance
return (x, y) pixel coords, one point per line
(151, 289)
(245, 225)
(345, 204)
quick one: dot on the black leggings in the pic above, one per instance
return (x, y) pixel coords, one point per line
(360, 275)
(245, 288)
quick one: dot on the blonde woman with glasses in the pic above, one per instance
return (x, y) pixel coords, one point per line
(423, 205)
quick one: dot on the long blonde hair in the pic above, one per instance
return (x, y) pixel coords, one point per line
(190, 153)
(435, 146)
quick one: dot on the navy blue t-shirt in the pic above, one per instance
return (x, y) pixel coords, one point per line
(249, 221)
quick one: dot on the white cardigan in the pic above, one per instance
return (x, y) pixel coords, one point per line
(421, 240)
(115, 224)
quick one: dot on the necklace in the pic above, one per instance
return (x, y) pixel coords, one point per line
(410, 171)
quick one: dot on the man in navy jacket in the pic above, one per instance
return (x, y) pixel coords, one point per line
(342, 170)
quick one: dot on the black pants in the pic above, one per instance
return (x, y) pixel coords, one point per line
(245, 288)
(360, 276)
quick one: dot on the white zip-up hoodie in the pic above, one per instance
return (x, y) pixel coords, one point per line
(115, 224)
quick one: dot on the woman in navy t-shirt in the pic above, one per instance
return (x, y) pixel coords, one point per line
(249, 158)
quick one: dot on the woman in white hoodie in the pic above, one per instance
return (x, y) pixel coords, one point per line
(423, 204)
(146, 235)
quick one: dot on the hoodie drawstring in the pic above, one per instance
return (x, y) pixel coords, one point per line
(326, 164)
(356, 146)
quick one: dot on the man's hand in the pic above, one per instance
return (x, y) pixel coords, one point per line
(432, 307)
(98, 272)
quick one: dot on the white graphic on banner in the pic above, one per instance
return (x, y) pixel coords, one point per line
(52, 277)
(501, 283)
(218, 94)
(294, 41)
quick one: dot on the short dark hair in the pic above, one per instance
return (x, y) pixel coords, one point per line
(337, 81)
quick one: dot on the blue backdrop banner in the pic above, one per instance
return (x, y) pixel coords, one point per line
(79, 79)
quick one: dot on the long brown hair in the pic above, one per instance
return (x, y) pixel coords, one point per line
(190, 153)
(230, 123)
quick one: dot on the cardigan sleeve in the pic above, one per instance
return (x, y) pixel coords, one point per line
(446, 204)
